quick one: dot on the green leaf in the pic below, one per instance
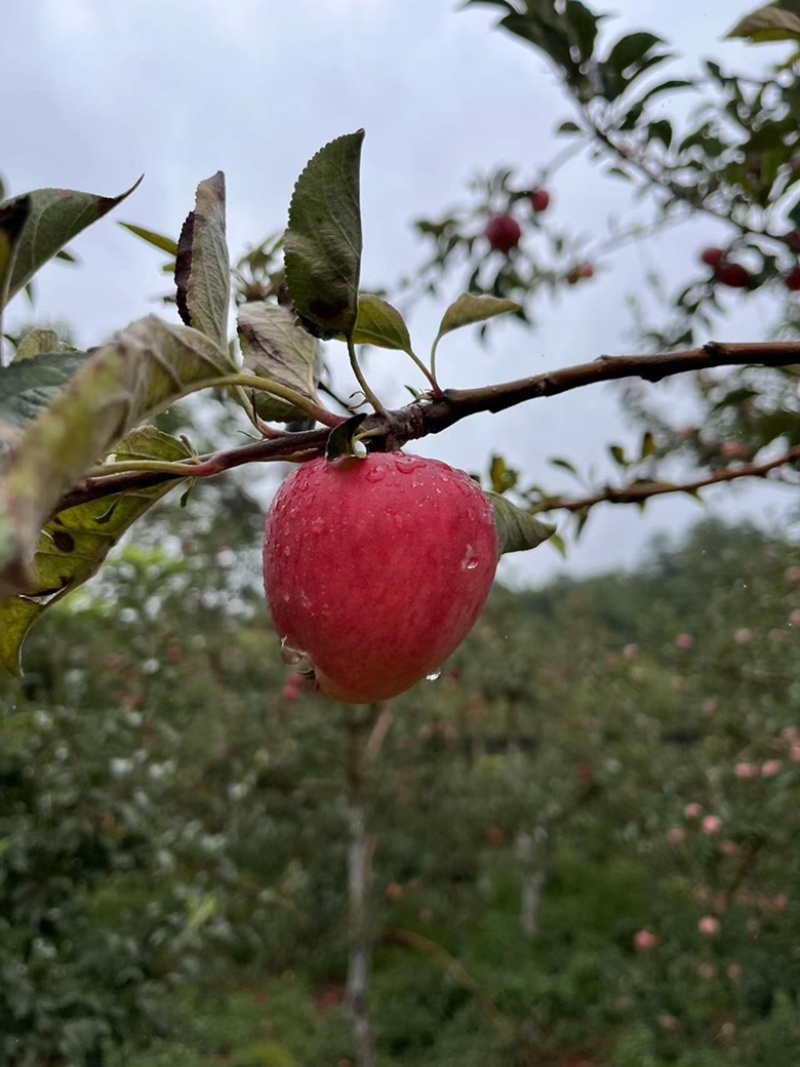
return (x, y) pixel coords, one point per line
(661, 130)
(501, 475)
(736, 396)
(202, 265)
(158, 240)
(584, 25)
(568, 127)
(72, 546)
(322, 248)
(30, 384)
(37, 342)
(618, 455)
(767, 24)
(380, 324)
(274, 346)
(343, 439)
(54, 218)
(469, 309)
(564, 464)
(631, 50)
(13, 217)
(559, 544)
(517, 530)
(145, 368)
(648, 445)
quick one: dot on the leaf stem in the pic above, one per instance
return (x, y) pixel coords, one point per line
(284, 392)
(429, 374)
(362, 381)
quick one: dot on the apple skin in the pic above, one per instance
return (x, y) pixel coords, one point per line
(792, 280)
(376, 569)
(540, 200)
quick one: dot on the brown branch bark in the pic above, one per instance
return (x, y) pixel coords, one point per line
(437, 414)
(635, 494)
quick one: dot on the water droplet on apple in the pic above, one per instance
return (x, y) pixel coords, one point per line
(470, 560)
(376, 474)
(436, 674)
(300, 661)
(409, 464)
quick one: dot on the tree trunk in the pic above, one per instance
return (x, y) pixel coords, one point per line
(535, 863)
(359, 871)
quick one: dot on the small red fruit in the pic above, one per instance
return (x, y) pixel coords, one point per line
(792, 280)
(733, 275)
(713, 257)
(503, 233)
(376, 569)
(540, 200)
(583, 270)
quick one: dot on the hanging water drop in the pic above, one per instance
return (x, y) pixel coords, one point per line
(436, 674)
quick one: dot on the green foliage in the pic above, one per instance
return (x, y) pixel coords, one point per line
(187, 825)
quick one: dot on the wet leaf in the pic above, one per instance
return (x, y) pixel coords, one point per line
(322, 248)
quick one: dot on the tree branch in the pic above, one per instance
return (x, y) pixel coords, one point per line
(635, 494)
(441, 412)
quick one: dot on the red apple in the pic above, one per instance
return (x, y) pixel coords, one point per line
(712, 257)
(540, 200)
(376, 569)
(733, 275)
(792, 280)
(503, 232)
(583, 270)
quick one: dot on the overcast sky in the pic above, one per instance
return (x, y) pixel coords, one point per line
(98, 91)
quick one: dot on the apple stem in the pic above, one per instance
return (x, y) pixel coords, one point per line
(362, 381)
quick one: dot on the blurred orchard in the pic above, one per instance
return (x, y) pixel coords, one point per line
(583, 836)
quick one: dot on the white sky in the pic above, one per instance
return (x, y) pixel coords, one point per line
(97, 91)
